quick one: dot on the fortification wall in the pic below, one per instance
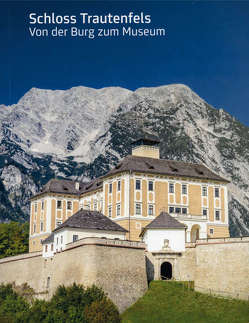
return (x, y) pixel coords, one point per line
(116, 266)
(26, 268)
(222, 267)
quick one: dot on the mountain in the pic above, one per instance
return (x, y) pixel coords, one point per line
(83, 132)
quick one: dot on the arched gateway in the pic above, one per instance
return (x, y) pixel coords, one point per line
(166, 270)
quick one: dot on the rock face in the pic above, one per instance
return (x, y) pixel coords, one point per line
(83, 132)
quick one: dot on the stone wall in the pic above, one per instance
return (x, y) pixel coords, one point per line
(116, 266)
(222, 267)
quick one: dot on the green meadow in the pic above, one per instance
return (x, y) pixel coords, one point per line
(175, 302)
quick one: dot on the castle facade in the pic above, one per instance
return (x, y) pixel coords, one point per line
(134, 193)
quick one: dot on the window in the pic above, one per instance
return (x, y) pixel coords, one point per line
(42, 205)
(87, 207)
(216, 192)
(184, 210)
(61, 239)
(171, 209)
(35, 207)
(204, 212)
(34, 228)
(75, 237)
(69, 205)
(119, 186)
(138, 208)
(171, 188)
(110, 211)
(118, 210)
(217, 215)
(138, 184)
(151, 186)
(178, 210)
(58, 223)
(151, 209)
(184, 189)
(211, 231)
(204, 190)
(59, 204)
(110, 188)
(46, 248)
(95, 205)
(52, 247)
(41, 226)
(57, 240)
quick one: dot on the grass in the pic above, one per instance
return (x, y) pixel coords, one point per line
(173, 302)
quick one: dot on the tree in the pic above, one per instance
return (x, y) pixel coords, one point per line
(14, 238)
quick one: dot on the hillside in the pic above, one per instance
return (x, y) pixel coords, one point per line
(83, 132)
(171, 302)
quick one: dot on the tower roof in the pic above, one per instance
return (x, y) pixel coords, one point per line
(163, 221)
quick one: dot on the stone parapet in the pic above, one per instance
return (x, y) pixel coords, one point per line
(222, 240)
(106, 242)
(20, 257)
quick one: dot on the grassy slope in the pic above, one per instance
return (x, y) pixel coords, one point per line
(171, 302)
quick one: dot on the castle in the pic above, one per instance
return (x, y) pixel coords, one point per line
(134, 193)
(146, 219)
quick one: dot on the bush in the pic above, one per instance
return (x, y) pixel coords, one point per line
(69, 304)
(102, 311)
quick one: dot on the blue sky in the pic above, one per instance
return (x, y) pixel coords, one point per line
(206, 48)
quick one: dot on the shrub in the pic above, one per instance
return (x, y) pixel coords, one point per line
(102, 311)
(74, 304)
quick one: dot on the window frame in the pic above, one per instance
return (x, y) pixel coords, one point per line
(178, 208)
(215, 215)
(57, 203)
(138, 181)
(205, 209)
(151, 207)
(173, 208)
(118, 209)
(217, 190)
(71, 205)
(184, 208)
(172, 185)
(149, 186)
(184, 189)
(138, 208)
(119, 185)
(204, 189)
(75, 237)
(109, 211)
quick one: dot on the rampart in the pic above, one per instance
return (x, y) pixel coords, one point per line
(222, 267)
(116, 266)
(217, 266)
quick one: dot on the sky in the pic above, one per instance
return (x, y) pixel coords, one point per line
(206, 47)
